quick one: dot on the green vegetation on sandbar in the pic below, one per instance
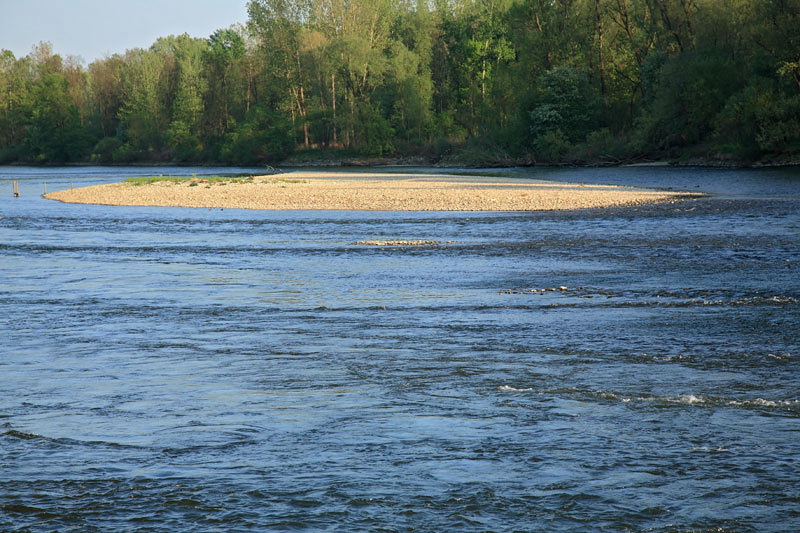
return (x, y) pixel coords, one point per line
(467, 82)
(206, 180)
(216, 180)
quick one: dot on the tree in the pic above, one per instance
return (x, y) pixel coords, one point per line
(55, 134)
(277, 24)
(538, 79)
(15, 81)
(265, 136)
(223, 98)
(411, 72)
(565, 111)
(143, 117)
(474, 45)
(105, 81)
(183, 93)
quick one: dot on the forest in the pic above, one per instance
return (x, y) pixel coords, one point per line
(473, 82)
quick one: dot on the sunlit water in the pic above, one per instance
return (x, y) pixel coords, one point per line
(229, 370)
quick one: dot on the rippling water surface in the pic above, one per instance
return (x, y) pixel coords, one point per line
(229, 370)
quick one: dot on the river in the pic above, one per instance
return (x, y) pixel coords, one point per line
(175, 369)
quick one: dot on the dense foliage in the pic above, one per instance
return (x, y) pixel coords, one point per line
(485, 81)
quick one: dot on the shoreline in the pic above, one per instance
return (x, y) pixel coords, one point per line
(334, 163)
(368, 191)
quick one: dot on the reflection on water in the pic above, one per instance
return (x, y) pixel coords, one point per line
(217, 370)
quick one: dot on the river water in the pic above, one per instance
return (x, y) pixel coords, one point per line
(227, 370)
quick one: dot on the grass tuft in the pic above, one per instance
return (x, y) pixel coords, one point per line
(194, 180)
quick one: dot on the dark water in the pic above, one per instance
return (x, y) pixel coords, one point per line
(209, 370)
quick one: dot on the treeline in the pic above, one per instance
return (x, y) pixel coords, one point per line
(482, 81)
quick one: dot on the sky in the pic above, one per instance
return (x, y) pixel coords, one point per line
(93, 29)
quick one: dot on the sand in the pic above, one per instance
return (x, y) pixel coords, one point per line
(303, 190)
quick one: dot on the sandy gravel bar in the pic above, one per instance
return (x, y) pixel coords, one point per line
(368, 191)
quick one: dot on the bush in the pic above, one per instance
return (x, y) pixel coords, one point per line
(185, 146)
(9, 154)
(603, 146)
(446, 126)
(442, 148)
(552, 146)
(376, 133)
(265, 136)
(565, 109)
(685, 94)
(103, 151)
(125, 154)
(779, 125)
(758, 120)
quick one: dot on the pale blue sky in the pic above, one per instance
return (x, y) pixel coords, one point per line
(93, 29)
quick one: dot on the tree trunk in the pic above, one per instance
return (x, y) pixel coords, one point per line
(600, 65)
(483, 70)
(333, 102)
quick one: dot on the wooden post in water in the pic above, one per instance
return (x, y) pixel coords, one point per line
(15, 187)
(45, 187)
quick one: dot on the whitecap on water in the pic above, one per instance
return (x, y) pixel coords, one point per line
(507, 388)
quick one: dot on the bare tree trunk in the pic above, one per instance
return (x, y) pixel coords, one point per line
(350, 131)
(293, 99)
(685, 4)
(249, 82)
(668, 22)
(302, 106)
(483, 70)
(600, 65)
(333, 99)
(301, 102)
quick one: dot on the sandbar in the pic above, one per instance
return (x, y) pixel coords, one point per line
(369, 191)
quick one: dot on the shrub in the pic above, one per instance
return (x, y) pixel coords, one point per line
(376, 133)
(552, 146)
(265, 136)
(185, 145)
(103, 151)
(125, 154)
(9, 154)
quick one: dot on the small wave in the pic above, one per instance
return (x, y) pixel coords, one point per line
(710, 449)
(760, 402)
(64, 441)
(780, 356)
(793, 406)
(711, 401)
(603, 297)
(22, 435)
(507, 388)
(690, 399)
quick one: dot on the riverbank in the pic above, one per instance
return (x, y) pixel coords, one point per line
(335, 161)
(499, 159)
(370, 191)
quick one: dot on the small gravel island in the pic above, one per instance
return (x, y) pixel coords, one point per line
(310, 190)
